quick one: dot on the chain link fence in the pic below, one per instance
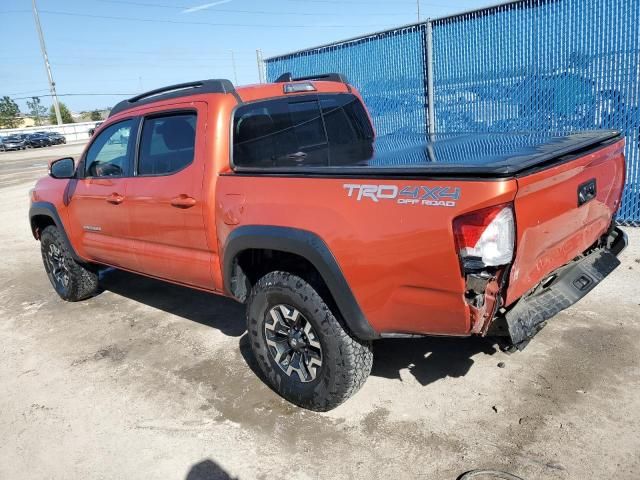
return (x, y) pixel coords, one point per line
(550, 66)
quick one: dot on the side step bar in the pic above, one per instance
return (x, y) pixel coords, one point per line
(571, 283)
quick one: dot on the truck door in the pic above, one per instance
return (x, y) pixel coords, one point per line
(98, 199)
(165, 197)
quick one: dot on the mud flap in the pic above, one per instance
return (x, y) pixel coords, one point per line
(570, 284)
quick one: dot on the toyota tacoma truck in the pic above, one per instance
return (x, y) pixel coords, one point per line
(280, 196)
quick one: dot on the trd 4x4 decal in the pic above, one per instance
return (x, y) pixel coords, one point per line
(409, 195)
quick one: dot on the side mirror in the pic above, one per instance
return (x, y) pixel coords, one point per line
(62, 168)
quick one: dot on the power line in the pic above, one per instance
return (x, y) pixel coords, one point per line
(341, 2)
(261, 12)
(111, 44)
(99, 57)
(80, 95)
(29, 91)
(348, 2)
(211, 24)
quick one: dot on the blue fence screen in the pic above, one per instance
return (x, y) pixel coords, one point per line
(548, 66)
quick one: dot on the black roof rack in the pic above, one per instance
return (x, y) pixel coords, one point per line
(327, 77)
(175, 91)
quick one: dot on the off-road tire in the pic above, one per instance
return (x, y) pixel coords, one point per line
(82, 280)
(346, 360)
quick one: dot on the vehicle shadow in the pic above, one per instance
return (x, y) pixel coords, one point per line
(428, 359)
(208, 470)
(208, 309)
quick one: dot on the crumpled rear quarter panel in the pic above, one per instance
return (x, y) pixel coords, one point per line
(551, 228)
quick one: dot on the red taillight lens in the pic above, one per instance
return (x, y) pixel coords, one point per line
(486, 237)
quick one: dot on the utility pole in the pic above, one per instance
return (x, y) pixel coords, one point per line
(45, 57)
(418, 5)
(233, 63)
(261, 78)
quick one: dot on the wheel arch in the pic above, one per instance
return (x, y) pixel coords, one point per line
(307, 246)
(44, 214)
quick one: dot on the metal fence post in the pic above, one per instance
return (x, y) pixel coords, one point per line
(431, 121)
(260, 63)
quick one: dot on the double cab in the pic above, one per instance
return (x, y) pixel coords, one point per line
(281, 197)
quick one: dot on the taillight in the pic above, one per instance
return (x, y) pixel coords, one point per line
(485, 238)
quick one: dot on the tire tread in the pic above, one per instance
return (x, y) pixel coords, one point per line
(83, 282)
(354, 356)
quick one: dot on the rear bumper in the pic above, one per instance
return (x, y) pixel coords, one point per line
(568, 284)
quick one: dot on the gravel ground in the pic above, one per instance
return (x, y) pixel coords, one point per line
(149, 380)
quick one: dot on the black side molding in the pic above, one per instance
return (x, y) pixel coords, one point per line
(309, 246)
(47, 209)
(176, 91)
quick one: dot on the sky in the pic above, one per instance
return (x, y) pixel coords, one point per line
(123, 47)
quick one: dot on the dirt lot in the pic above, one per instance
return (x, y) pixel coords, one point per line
(149, 380)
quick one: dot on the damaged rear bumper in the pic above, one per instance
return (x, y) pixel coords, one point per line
(561, 290)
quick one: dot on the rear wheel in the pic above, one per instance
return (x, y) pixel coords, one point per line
(305, 353)
(71, 280)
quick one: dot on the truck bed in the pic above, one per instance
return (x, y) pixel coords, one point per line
(476, 155)
(399, 257)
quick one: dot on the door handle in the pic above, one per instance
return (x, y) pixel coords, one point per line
(115, 198)
(183, 201)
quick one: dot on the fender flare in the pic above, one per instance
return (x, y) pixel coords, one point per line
(47, 209)
(309, 246)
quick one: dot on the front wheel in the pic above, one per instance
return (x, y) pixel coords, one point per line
(71, 280)
(304, 351)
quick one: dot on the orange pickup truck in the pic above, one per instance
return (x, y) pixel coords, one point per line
(281, 197)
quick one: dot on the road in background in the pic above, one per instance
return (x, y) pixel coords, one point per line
(28, 165)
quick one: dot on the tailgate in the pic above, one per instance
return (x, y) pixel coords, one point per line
(561, 211)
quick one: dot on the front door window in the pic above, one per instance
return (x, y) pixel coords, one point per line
(107, 156)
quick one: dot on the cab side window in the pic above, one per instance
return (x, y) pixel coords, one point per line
(108, 155)
(283, 132)
(167, 144)
(302, 131)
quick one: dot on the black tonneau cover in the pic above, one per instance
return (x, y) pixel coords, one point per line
(459, 155)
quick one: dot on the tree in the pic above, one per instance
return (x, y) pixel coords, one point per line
(65, 114)
(36, 110)
(96, 115)
(9, 113)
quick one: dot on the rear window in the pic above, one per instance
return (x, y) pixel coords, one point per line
(308, 130)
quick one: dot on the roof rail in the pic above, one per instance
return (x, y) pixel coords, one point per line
(327, 77)
(175, 91)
